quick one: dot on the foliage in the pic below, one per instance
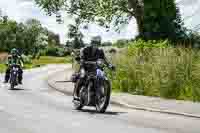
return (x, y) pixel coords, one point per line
(121, 43)
(51, 51)
(53, 39)
(29, 37)
(148, 44)
(2, 68)
(7, 35)
(75, 35)
(103, 12)
(106, 44)
(44, 60)
(158, 70)
(155, 19)
(163, 20)
(194, 38)
(55, 51)
(27, 59)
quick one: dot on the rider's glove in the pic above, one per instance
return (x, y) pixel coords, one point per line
(22, 65)
(111, 67)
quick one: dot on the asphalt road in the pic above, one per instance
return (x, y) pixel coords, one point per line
(36, 108)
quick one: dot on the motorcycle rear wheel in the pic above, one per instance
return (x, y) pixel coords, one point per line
(78, 105)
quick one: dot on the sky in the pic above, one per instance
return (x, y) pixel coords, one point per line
(190, 10)
(21, 10)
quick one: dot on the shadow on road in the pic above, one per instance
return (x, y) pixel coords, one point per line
(17, 89)
(90, 111)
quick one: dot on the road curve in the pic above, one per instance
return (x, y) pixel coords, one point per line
(36, 108)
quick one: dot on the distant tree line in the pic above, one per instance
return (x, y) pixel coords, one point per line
(31, 38)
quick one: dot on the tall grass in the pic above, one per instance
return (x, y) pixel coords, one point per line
(155, 69)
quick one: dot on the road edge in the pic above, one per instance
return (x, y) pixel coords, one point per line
(122, 104)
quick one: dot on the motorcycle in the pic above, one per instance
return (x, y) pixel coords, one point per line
(14, 74)
(96, 89)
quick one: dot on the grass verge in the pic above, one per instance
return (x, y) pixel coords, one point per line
(158, 70)
(44, 60)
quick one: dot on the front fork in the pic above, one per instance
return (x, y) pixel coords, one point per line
(99, 91)
(93, 91)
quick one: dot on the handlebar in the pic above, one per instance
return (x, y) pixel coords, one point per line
(15, 65)
(93, 63)
(90, 62)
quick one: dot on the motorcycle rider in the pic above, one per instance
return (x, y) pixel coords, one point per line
(14, 58)
(89, 53)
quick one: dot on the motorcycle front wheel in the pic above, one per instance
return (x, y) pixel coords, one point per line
(12, 86)
(12, 83)
(102, 101)
(78, 105)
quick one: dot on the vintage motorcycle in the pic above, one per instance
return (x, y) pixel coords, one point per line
(96, 88)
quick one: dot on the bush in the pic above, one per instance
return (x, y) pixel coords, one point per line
(154, 69)
(56, 51)
(27, 59)
(121, 43)
(51, 51)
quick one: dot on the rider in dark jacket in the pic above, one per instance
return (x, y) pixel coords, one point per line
(14, 58)
(89, 53)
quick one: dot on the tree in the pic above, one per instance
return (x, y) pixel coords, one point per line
(21, 38)
(7, 34)
(194, 38)
(29, 37)
(163, 20)
(156, 19)
(106, 44)
(121, 43)
(1, 15)
(53, 39)
(34, 28)
(104, 12)
(76, 35)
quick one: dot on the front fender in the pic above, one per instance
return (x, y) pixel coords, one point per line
(13, 77)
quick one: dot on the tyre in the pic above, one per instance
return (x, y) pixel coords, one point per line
(78, 105)
(103, 103)
(12, 85)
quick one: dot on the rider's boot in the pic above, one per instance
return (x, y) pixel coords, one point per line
(6, 78)
(20, 79)
(5, 81)
(20, 82)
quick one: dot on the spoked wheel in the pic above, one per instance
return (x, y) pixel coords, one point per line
(103, 97)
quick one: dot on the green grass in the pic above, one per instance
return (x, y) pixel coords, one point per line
(2, 68)
(172, 73)
(44, 60)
